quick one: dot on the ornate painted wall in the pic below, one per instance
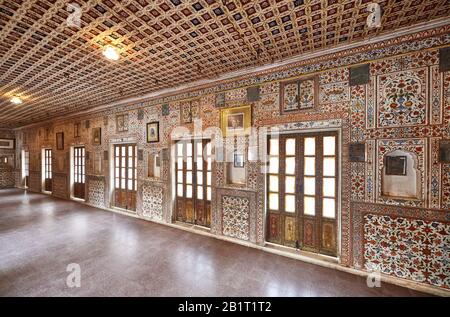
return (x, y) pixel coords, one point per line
(405, 105)
(7, 173)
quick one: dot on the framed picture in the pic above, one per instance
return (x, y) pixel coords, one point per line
(396, 165)
(236, 121)
(97, 136)
(6, 143)
(444, 151)
(60, 141)
(122, 122)
(152, 132)
(238, 160)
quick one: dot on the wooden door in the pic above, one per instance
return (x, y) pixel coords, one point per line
(193, 161)
(48, 170)
(79, 172)
(125, 176)
(302, 193)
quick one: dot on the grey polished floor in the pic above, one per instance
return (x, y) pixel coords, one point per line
(123, 256)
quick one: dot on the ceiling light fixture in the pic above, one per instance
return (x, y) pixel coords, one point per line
(111, 53)
(16, 100)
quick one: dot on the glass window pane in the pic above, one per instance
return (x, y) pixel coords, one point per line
(180, 149)
(273, 201)
(208, 193)
(329, 187)
(200, 178)
(117, 151)
(199, 192)
(274, 147)
(188, 191)
(328, 208)
(180, 190)
(329, 145)
(289, 205)
(290, 147)
(189, 163)
(130, 151)
(180, 163)
(273, 183)
(273, 165)
(123, 151)
(289, 186)
(290, 165)
(188, 177)
(179, 176)
(199, 149)
(189, 149)
(117, 183)
(329, 166)
(122, 185)
(310, 166)
(199, 163)
(208, 178)
(209, 164)
(130, 184)
(310, 186)
(309, 206)
(310, 146)
(208, 148)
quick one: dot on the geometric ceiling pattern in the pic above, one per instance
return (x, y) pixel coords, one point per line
(57, 69)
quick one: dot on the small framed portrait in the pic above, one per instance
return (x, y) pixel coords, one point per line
(60, 141)
(396, 165)
(236, 121)
(96, 136)
(6, 143)
(238, 160)
(152, 132)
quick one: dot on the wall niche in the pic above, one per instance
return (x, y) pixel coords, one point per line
(400, 177)
(154, 165)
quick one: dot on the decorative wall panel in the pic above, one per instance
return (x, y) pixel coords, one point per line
(402, 98)
(152, 202)
(96, 191)
(408, 248)
(236, 217)
(60, 187)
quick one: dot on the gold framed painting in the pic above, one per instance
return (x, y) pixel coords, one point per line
(97, 136)
(236, 121)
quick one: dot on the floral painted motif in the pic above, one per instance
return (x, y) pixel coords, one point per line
(408, 248)
(236, 217)
(152, 200)
(402, 98)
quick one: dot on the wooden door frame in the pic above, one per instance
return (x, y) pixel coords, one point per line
(71, 171)
(111, 170)
(173, 177)
(338, 131)
(43, 169)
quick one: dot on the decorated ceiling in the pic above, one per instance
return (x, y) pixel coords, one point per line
(57, 67)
